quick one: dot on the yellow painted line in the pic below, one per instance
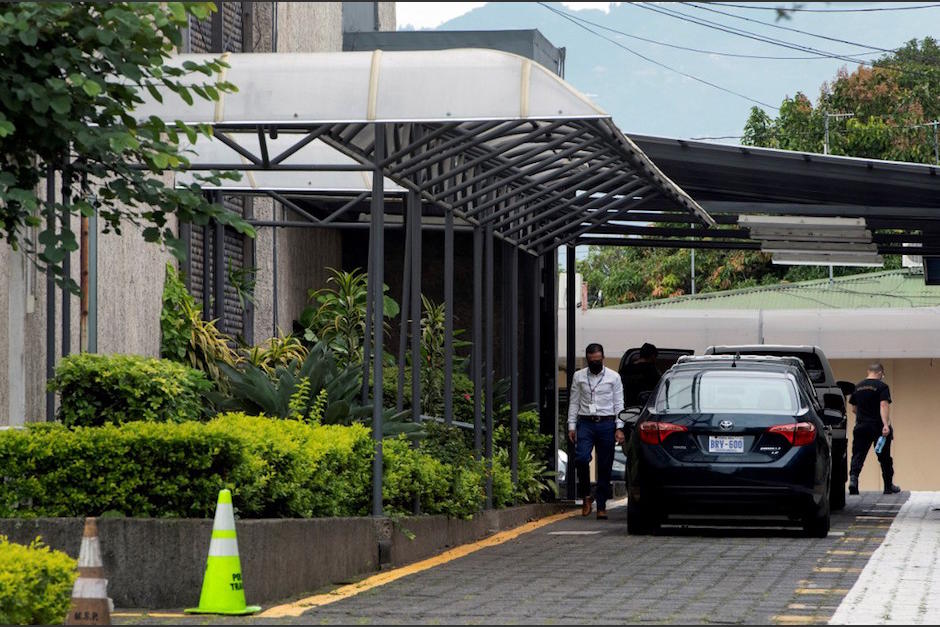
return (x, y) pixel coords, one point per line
(796, 619)
(867, 517)
(344, 592)
(825, 591)
(856, 539)
(869, 526)
(836, 569)
(843, 552)
(149, 614)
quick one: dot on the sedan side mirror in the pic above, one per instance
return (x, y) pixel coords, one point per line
(847, 387)
(629, 416)
(832, 417)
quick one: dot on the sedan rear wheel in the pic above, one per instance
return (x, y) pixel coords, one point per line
(816, 523)
(641, 520)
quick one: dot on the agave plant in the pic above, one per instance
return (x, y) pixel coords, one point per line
(300, 389)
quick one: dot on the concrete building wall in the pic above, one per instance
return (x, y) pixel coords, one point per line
(309, 26)
(915, 397)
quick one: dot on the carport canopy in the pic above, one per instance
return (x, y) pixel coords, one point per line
(493, 137)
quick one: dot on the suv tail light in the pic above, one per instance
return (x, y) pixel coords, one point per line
(657, 432)
(796, 433)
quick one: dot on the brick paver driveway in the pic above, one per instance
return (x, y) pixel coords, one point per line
(580, 570)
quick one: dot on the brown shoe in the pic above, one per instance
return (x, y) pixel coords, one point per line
(602, 514)
(586, 507)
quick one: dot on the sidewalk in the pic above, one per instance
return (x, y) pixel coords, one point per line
(901, 582)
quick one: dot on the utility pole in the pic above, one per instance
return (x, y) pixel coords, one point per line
(936, 146)
(826, 116)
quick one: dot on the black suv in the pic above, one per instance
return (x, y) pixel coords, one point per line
(831, 395)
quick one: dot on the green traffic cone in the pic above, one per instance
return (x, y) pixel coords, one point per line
(222, 586)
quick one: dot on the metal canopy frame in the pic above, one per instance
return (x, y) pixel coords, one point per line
(532, 185)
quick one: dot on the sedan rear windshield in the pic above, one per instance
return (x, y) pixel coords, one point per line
(727, 391)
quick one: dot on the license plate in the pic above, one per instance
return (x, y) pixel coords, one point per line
(725, 444)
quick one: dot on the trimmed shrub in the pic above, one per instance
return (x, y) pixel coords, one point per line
(103, 389)
(139, 469)
(275, 468)
(35, 584)
(300, 470)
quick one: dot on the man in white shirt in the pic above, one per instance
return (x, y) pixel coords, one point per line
(594, 405)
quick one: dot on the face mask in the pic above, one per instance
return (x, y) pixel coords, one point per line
(595, 366)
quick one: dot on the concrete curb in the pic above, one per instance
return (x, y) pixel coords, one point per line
(159, 563)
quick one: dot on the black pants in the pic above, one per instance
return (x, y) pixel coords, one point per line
(863, 436)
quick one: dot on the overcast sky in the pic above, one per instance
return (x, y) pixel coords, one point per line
(432, 14)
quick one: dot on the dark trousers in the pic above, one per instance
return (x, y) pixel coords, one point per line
(863, 437)
(600, 437)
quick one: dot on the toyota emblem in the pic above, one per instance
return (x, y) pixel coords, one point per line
(726, 425)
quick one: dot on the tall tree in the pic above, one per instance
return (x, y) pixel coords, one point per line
(72, 74)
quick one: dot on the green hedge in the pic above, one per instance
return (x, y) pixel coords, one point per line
(102, 389)
(275, 468)
(35, 584)
(138, 469)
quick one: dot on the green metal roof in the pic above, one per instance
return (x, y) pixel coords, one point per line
(888, 289)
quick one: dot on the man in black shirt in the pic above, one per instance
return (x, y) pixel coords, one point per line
(640, 376)
(872, 404)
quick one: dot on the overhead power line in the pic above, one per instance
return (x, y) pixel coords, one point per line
(654, 62)
(802, 10)
(699, 50)
(700, 21)
(786, 28)
(685, 17)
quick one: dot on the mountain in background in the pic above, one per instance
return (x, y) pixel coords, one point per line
(647, 99)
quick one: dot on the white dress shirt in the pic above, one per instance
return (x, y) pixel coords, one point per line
(604, 391)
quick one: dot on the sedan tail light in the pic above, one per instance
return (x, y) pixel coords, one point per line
(796, 433)
(657, 432)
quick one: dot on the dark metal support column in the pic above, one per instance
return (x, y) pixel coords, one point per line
(448, 317)
(66, 266)
(219, 285)
(505, 296)
(514, 364)
(367, 337)
(477, 353)
(206, 272)
(378, 279)
(548, 353)
(490, 365)
(534, 329)
(50, 298)
(570, 356)
(414, 229)
(274, 270)
(403, 327)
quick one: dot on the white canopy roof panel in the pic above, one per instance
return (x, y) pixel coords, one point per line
(442, 85)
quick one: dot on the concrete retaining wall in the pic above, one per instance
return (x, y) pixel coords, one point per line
(159, 563)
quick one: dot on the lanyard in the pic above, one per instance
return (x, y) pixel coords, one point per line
(595, 386)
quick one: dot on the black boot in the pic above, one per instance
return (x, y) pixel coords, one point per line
(853, 484)
(890, 488)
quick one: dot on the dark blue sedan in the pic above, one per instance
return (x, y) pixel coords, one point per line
(730, 436)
